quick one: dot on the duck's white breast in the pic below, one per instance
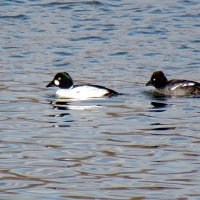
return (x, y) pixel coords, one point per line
(81, 92)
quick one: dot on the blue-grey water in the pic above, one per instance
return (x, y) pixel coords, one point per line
(133, 146)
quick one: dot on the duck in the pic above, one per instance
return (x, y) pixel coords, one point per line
(174, 87)
(67, 88)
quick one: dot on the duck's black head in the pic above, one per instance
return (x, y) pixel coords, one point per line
(158, 80)
(61, 80)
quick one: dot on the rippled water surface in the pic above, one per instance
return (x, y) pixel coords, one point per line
(133, 146)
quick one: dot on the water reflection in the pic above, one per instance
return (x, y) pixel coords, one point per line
(160, 128)
(70, 104)
(158, 104)
(59, 115)
(151, 94)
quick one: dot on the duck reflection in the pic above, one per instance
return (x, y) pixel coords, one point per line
(158, 104)
(157, 101)
(67, 105)
(161, 127)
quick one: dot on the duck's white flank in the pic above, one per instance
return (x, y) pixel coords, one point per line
(81, 92)
(182, 85)
(177, 90)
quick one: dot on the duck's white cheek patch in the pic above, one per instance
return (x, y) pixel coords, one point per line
(56, 82)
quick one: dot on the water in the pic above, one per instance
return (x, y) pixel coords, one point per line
(133, 146)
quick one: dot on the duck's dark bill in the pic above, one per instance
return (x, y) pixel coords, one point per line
(149, 83)
(51, 84)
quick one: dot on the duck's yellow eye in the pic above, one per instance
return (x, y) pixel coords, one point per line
(59, 78)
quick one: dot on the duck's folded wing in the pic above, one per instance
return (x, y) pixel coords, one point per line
(183, 84)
